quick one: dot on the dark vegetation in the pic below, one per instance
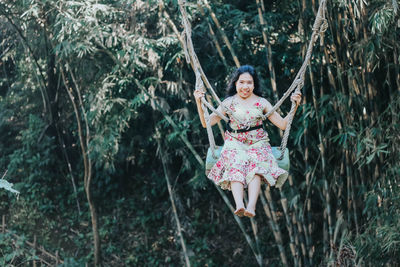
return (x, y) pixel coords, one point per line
(96, 104)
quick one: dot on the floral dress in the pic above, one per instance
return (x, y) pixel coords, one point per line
(248, 153)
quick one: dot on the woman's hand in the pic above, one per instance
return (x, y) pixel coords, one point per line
(296, 97)
(198, 94)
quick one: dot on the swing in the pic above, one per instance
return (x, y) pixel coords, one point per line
(283, 163)
(282, 153)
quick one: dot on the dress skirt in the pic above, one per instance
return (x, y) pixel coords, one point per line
(243, 156)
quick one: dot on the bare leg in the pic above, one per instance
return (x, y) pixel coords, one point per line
(254, 191)
(237, 192)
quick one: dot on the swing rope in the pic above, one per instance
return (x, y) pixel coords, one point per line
(319, 27)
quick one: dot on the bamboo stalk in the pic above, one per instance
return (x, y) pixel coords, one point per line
(293, 218)
(327, 211)
(300, 27)
(298, 223)
(57, 259)
(367, 70)
(334, 46)
(307, 202)
(65, 154)
(324, 143)
(307, 223)
(353, 19)
(351, 189)
(34, 250)
(3, 224)
(255, 234)
(345, 164)
(307, 220)
(396, 68)
(213, 36)
(257, 241)
(289, 226)
(309, 252)
(307, 205)
(269, 210)
(349, 200)
(296, 235)
(268, 53)
(223, 34)
(348, 121)
(172, 200)
(250, 242)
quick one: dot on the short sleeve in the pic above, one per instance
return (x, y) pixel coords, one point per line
(266, 106)
(226, 102)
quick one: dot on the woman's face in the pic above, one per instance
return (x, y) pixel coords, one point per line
(245, 85)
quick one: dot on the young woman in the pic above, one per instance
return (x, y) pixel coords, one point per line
(246, 158)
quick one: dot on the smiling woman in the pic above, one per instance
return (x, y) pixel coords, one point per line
(246, 158)
(245, 85)
(245, 75)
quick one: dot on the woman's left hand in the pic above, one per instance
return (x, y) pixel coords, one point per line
(296, 97)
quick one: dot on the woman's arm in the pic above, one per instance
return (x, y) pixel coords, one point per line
(214, 118)
(276, 119)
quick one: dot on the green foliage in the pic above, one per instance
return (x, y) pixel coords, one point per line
(14, 253)
(380, 242)
(383, 19)
(125, 68)
(33, 166)
(7, 186)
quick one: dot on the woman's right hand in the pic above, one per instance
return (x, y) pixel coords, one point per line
(198, 94)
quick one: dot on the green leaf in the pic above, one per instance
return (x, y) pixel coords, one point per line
(8, 186)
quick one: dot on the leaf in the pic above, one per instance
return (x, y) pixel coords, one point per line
(370, 158)
(7, 186)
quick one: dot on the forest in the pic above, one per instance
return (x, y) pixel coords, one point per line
(101, 140)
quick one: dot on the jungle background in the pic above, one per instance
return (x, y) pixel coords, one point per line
(100, 134)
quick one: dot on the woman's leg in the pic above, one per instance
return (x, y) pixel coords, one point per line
(254, 191)
(237, 192)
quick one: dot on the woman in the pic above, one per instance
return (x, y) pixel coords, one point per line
(246, 158)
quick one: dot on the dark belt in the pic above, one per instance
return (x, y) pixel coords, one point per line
(228, 127)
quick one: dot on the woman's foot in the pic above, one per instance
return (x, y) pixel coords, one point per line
(239, 212)
(249, 213)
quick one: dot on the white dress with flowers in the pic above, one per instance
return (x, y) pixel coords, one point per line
(248, 153)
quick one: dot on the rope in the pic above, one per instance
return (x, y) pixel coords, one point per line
(200, 86)
(319, 27)
(204, 104)
(191, 57)
(209, 130)
(188, 49)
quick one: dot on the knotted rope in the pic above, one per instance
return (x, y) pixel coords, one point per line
(200, 86)
(191, 57)
(319, 27)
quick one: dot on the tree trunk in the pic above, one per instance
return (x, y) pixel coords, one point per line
(84, 141)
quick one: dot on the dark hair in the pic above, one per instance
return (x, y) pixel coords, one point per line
(231, 89)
